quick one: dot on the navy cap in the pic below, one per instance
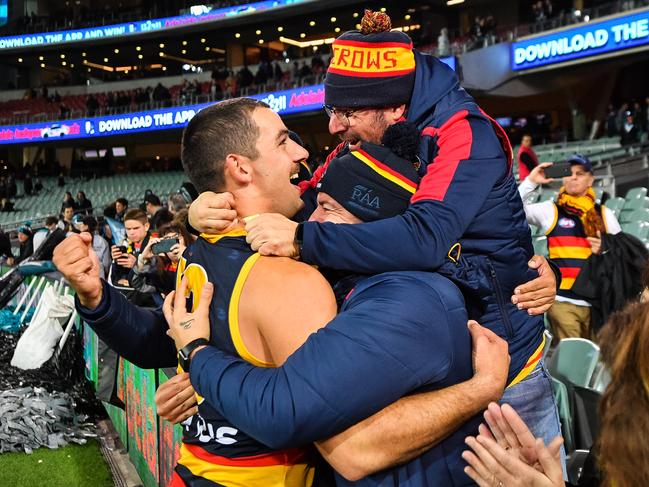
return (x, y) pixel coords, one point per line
(582, 161)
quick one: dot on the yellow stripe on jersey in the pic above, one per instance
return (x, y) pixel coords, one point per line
(570, 252)
(233, 316)
(240, 232)
(531, 364)
(566, 283)
(554, 221)
(299, 475)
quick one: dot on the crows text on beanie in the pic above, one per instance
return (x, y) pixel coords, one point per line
(371, 182)
(371, 67)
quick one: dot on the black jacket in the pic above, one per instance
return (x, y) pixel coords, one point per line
(610, 279)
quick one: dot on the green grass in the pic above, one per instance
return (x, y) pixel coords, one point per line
(71, 466)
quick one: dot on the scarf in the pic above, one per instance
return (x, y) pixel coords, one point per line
(584, 208)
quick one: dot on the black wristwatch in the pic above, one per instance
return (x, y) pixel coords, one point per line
(185, 352)
(299, 237)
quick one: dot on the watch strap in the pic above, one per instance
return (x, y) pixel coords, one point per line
(184, 354)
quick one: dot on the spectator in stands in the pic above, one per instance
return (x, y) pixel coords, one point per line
(176, 203)
(621, 116)
(245, 77)
(64, 110)
(611, 121)
(28, 185)
(231, 85)
(6, 205)
(125, 256)
(277, 72)
(574, 225)
(38, 186)
(61, 180)
(68, 200)
(99, 244)
(527, 159)
(443, 43)
(621, 449)
(121, 205)
(92, 105)
(51, 224)
(158, 215)
(26, 238)
(630, 132)
(157, 273)
(84, 205)
(5, 248)
(65, 221)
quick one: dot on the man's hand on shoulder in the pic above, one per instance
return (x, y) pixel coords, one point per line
(490, 361)
(75, 259)
(272, 234)
(213, 213)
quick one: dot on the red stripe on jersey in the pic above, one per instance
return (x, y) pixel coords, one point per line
(454, 142)
(291, 456)
(568, 242)
(176, 481)
(570, 272)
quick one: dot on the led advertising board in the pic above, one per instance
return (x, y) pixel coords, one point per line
(198, 14)
(284, 102)
(588, 40)
(4, 12)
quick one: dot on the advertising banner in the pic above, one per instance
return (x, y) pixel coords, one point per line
(285, 102)
(198, 14)
(586, 41)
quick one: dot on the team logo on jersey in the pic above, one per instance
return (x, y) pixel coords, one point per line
(566, 223)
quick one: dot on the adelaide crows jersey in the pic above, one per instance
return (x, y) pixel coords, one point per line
(214, 451)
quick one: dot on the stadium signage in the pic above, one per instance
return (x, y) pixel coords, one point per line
(204, 14)
(284, 102)
(588, 40)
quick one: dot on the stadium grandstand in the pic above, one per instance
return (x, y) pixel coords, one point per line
(94, 99)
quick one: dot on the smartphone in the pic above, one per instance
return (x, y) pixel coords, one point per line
(164, 245)
(122, 248)
(558, 170)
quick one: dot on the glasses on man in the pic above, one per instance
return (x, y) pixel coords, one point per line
(342, 114)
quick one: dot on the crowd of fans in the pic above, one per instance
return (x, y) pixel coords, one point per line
(129, 261)
(629, 120)
(224, 83)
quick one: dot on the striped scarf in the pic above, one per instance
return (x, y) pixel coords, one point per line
(584, 208)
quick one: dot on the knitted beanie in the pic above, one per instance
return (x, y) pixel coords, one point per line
(372, 182)
(371, 67)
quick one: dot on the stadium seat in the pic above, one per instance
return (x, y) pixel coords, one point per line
(601, 378)
(565, 416)
(635, 193)
(615, 205)
(640, 215)
(574, 360)
(575, 464)
(637, 229)
(540, 245)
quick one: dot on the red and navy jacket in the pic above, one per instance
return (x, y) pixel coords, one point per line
(467, 195)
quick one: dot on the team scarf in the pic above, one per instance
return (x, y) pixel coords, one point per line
(583, 207)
